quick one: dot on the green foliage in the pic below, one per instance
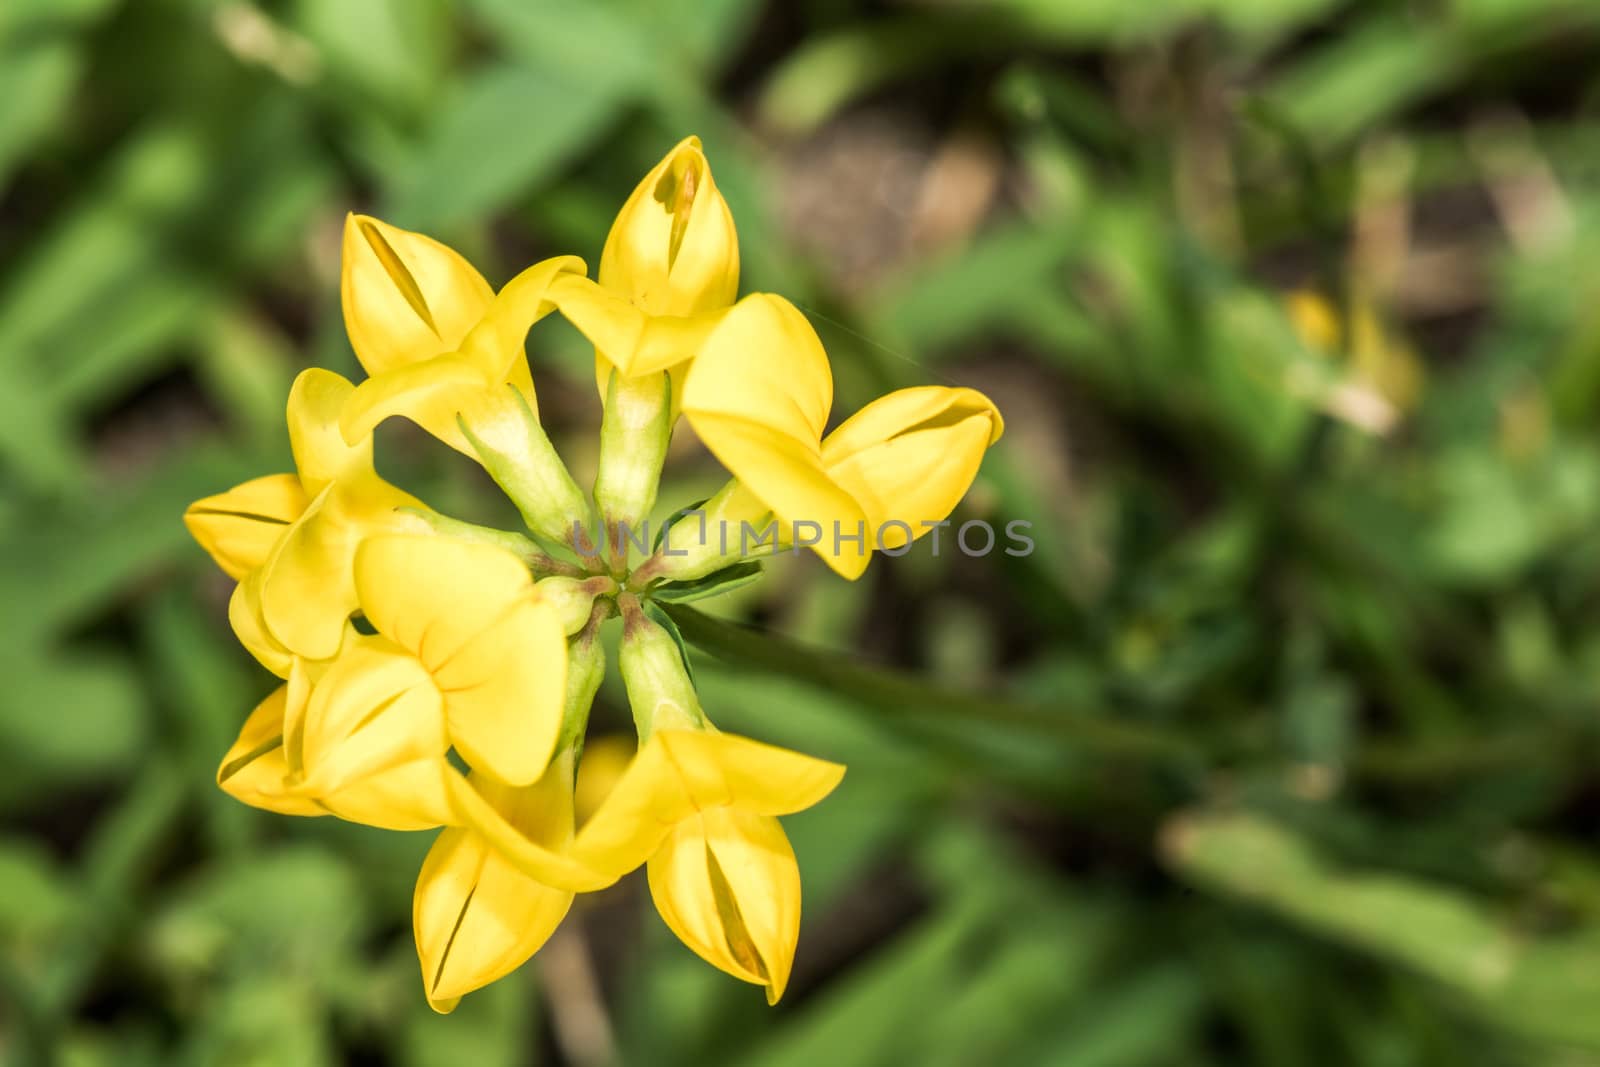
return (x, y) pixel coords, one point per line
(1280, 747)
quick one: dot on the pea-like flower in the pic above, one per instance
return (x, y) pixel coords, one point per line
(463, 642)
(290, 539)
(700, 807)
(445, 351)
(759, 394)
(669, 269)
(439, 675)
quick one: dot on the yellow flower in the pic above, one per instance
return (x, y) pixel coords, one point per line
(412, 643)
(478, 917)
(699, 807)
(673, 249)
(1385, 378)
(670, 267)
(436, 341)
(290, 539)
(406, 297)
(497, 652)
(689, 789)
(759, 394)
(446, 352)
(466, 655)
(365, 741)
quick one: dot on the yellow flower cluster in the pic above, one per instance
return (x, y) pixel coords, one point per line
(411, 645)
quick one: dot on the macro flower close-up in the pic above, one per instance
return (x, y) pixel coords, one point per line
(402, 650)
(739, 533)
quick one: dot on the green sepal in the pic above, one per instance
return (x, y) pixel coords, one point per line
(534, 478)
(634, 433)
(672, 520)
(662, 619)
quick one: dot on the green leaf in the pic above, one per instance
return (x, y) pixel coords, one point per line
(898, 695)
(296, 911)
(82, 716)
(39, 899)
(717, 583)
(396, 53)
(507, 132)
(1530, 984)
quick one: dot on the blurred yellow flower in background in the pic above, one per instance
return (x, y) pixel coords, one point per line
(1385, 377)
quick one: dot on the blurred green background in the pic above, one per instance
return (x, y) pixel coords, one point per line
(1279, 750)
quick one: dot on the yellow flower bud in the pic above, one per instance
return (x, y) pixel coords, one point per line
(476, 916)
(370, 743)
(673, 249)
(727, 884)
(363, 739)
(406, 297)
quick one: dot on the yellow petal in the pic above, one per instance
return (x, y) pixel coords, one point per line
(758, 395)
(726, 769)
(604, 760)
(765, 363)
(673, 249)
(244, 615)
(434, 391)
(495, 343)
(626, 337)
(376, 707)
(472, 808)
(787, 476)
(321, 453)
(304, 587)
(476, 916)
(471, 615)
(430, 392)
(905, 410)
(238, 528)
(727, 884)
(307, 584)
(406, 297)
(254, 769)
(302, 675)
(406, 796)
(911, 456)
(503, 693)
(680, 772)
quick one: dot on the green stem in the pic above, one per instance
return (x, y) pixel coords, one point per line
(899, 694)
